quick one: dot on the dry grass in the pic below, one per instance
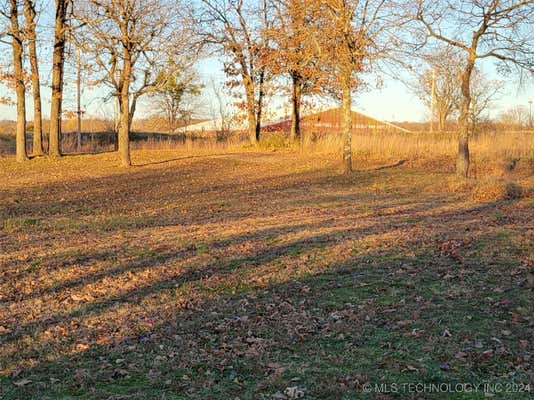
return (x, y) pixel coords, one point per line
(490, 152)
(215, 275)
(484, 147)
(496, 189)
(189, 145)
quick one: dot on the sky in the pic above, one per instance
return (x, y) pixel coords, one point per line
(392, 102)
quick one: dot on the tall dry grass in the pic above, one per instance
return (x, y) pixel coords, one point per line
(489, 148)
(187, 145)
(494, 146)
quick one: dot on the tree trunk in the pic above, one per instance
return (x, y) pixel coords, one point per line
(261, 95)
(172, 112)
(133, 107)
(441, 122)
(251, 111)
(347, 128)
(125, 120)
(123, 139)
(472, 117)
(124, 133)
(78, 101)
(19, 83)
(58, 61)
(295, 109)
(29, 12)
(462, 161)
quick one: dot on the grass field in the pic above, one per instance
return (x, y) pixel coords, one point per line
(261, 275)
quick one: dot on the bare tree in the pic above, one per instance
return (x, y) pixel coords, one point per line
(353, 38)
(58, 62)
(31, 35)
(293, 39)
(79, 111)
(484, 92)
(235, 29)
(129, 41)
(11, 11)
(514, 117)
(220, 108)
(498, 29)
(177, 87)
(437, 85)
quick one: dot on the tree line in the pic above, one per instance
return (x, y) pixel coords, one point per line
(319, 47)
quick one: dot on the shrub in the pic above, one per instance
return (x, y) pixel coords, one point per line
(496, 189)
(273, 140)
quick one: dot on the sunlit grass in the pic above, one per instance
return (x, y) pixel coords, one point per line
(219, 275)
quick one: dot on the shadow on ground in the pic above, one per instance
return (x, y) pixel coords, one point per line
(302, 280)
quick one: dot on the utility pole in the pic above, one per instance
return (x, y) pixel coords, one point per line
(530, 113)
(433, 101)
(79, 99)
(116, 110)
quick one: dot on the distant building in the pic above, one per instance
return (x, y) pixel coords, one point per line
(331, 121)
(315, 123)
(211, 126)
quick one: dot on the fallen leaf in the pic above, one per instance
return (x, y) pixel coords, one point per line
(23, 382)
(4, 330)
(75, 297)
(294, 392)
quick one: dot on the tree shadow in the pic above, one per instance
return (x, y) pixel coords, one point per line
(366, 316)
(290, 284)
(375, 225)
(397, 164)
(166, 161)
(188, 272)
(86, 153)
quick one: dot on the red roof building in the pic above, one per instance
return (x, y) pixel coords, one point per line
(331, 121)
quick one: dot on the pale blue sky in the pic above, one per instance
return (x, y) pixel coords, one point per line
(395, 102)
(392, 102)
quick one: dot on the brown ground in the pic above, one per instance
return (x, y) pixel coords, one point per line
(255, 275)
